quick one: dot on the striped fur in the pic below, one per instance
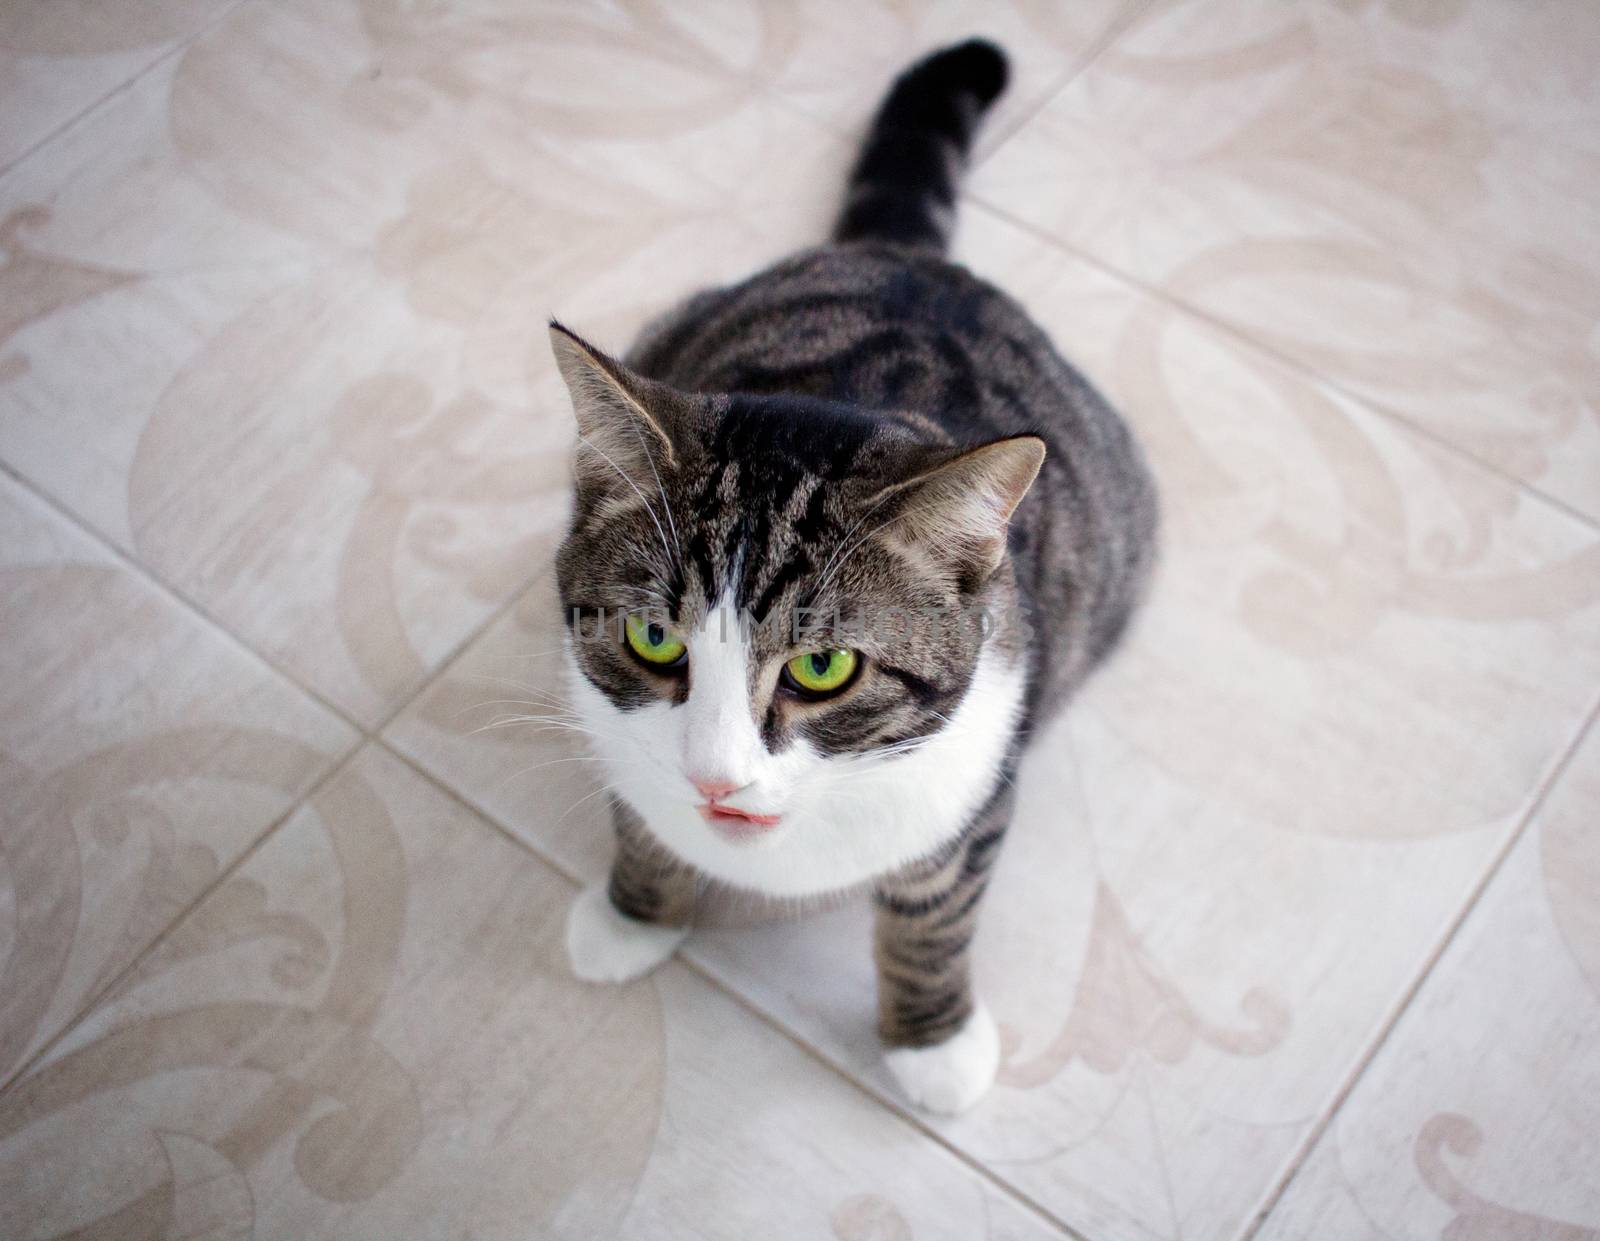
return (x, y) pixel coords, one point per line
(849, 430)
(903, 188)
(647, 882)
(925, 919)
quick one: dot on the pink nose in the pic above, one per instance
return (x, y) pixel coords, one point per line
(713, 789)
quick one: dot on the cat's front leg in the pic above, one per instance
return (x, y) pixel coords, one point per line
(941, 1043)
(623, 928)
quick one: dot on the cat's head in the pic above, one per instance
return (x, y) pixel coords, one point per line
(775, 604)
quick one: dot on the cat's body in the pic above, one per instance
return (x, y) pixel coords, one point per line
(830, 464)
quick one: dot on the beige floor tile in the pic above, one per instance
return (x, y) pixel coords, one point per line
(834, 60)
(1480, 1118)
(59, 57)
(1236, 852)
(274, 321)
(369, 1031)
(1399, 196)
(141, 752)
(271, 320)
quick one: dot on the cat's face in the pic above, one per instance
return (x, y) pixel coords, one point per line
(775, 611)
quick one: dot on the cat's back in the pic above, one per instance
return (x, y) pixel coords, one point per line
(879, 325)
(889, 328)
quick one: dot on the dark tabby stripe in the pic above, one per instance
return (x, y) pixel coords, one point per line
(904, 185)
(966, 360)
(926, 918)
(647, 882)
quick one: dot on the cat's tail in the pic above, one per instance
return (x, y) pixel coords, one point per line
(903, 188)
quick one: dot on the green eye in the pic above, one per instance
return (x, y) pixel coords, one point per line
(821, 672)
(652, 641)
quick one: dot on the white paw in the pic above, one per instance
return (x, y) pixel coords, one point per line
(951, 1076)
(606, 946)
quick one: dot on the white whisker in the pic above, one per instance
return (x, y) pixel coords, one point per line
(604, 788)
(873, 533)
(665, 546)
(666, 508)
(823, 577)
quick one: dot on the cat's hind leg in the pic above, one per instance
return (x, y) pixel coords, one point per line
(940, 1041)
(623, 928)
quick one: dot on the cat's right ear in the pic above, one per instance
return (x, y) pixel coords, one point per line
(624, 420)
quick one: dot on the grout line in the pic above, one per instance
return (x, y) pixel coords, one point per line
(460, 648)
(121, 88)
(890, 1105)
(1274, 1195)
(1102, 43)
(893, 1106)
(174, 595)
(440, 784)
(147, 574)
(100, 994)
(1304, 370)
(363, 737)
(854, 131)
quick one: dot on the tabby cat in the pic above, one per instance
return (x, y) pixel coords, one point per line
(842, 534)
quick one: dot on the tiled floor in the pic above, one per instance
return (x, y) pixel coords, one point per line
(1298, 933)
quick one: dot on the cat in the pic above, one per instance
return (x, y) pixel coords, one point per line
(868, 439)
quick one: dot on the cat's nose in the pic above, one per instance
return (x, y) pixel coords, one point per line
(712, 788)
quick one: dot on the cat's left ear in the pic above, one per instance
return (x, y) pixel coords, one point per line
(626, 422)
(957, 512)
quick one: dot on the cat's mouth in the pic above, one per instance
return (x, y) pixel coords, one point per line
(735, 824)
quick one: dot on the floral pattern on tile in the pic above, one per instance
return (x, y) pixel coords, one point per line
(321, 392)
(1477, 1119)
(60, 57)
(1395, 196)
(140, 751)
(835, 60)
(370, 1031)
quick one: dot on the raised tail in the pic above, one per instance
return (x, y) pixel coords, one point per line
(903, 188)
